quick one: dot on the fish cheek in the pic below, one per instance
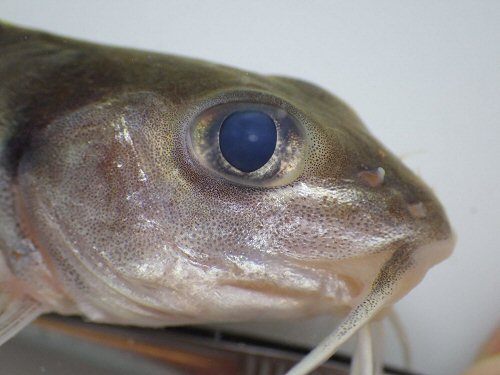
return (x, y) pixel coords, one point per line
(83, 185)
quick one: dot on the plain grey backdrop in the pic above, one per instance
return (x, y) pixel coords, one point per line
(424, 76)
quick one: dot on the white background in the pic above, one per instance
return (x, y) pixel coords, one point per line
(425, 77)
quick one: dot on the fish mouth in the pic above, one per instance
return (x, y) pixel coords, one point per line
(346, 282)
(399, 273)
(421, 259)
(424, 257)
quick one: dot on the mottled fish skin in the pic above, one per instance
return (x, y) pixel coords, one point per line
(107, 210)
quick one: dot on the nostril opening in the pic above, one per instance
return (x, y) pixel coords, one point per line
(417, 210)
(373, 178)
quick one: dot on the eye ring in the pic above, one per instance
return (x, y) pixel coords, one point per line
(287, 160)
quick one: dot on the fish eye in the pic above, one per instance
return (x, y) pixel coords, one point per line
(249, 143)
(247, 139)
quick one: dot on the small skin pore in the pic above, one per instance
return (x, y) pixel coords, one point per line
(118, 204)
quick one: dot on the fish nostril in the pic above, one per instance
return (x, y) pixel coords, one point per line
(417, 210)
(373, 178)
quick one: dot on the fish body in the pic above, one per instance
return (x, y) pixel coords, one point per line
(117, 202)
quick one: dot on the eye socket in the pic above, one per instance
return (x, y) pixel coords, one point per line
(248, 143)
(247, 139)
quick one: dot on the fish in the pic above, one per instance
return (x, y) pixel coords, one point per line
(152, 190)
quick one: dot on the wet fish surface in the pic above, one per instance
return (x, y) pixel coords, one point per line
(153, 190)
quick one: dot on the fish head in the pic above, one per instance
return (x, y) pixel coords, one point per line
(144, 217)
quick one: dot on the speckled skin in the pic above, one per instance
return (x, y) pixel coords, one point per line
(107, 212)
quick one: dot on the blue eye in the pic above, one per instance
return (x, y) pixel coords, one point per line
(247, 139)
(248, 143)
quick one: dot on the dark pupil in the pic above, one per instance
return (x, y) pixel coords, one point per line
(247, 139)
